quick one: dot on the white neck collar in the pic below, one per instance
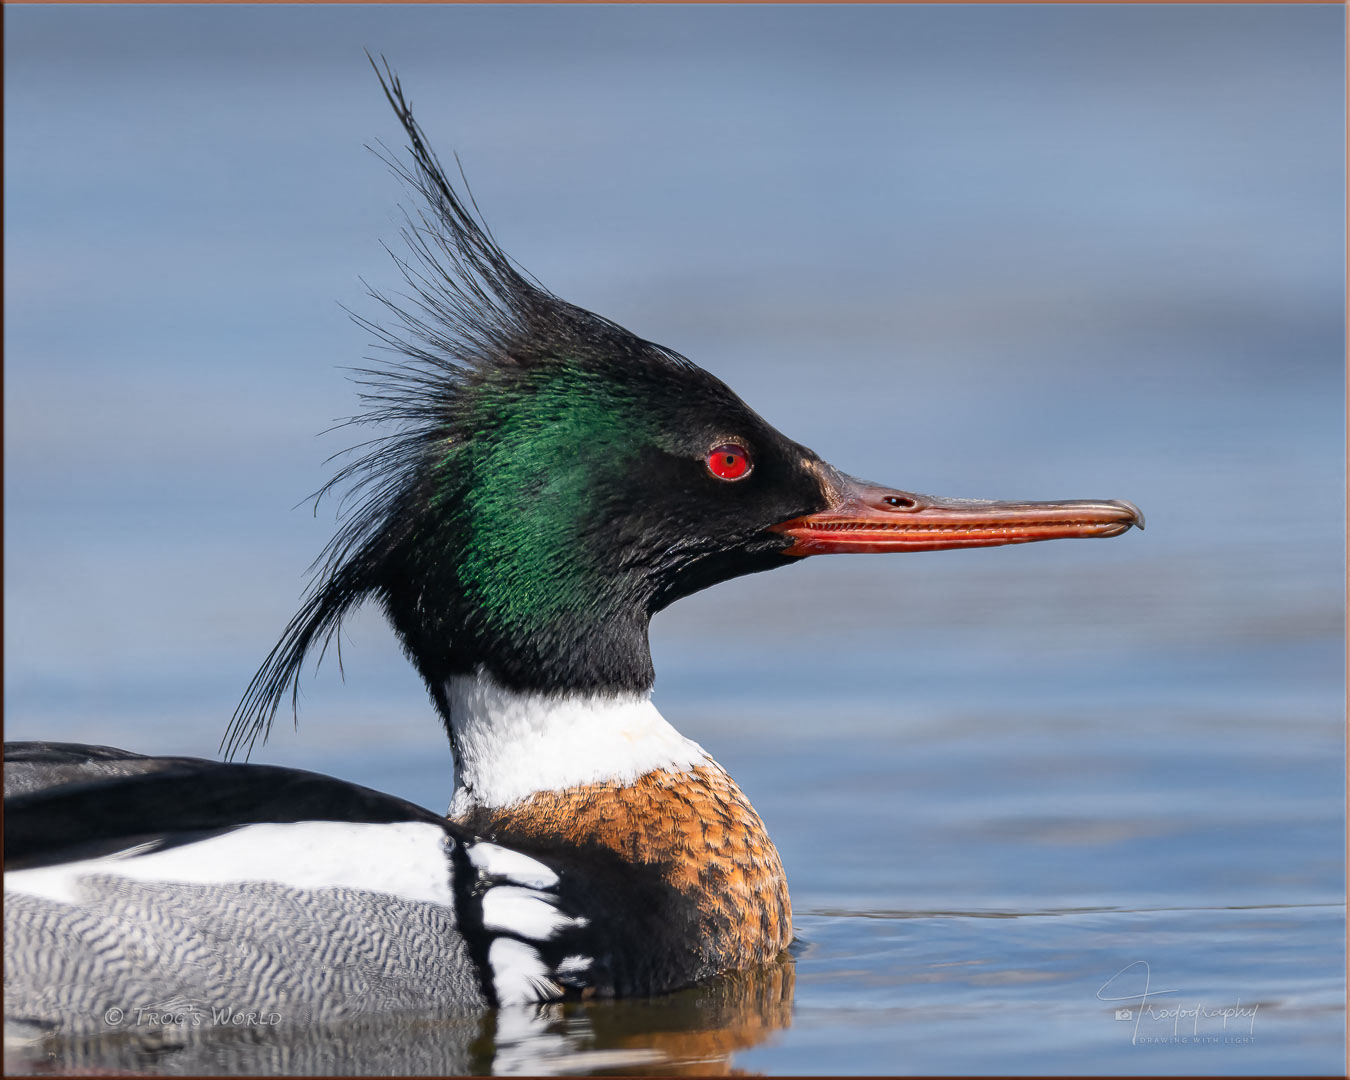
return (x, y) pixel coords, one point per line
(509, 744)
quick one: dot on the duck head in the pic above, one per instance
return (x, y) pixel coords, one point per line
(554, 480)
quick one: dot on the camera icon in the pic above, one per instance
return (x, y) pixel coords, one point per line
(1124, 1014)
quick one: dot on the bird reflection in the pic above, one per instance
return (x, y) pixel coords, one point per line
(696, 1031)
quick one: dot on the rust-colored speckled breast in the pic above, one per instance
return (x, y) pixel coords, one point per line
(696, 826)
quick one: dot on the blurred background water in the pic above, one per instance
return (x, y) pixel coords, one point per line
(1041, 252)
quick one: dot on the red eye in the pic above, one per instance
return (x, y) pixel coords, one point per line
(729, 462)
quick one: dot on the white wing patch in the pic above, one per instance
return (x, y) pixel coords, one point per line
(529, 913)
(521, 900)
(573, 965)
(405, 858)
(493, 860)
(519, 974)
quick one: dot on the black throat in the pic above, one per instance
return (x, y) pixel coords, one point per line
(597, 644)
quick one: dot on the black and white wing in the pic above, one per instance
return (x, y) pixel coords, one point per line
(180, 883)
(209, 887)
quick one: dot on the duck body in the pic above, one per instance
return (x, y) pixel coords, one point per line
(551, 483)
(311, 899)
(266, 889)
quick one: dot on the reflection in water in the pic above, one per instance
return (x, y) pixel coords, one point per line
(691, 1032)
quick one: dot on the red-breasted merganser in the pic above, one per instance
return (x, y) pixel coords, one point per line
(553, 482)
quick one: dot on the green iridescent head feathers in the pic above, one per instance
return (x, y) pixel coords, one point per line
(543, 489)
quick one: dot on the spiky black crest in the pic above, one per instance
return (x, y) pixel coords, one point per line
(544, 489)
(472, 312)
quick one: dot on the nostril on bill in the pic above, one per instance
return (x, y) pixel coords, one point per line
(900, 502)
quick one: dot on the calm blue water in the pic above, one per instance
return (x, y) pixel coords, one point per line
(1042, 252)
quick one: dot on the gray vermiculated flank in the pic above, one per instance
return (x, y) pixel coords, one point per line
(306, 955)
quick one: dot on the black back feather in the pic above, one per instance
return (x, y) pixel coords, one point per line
(110, 801)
